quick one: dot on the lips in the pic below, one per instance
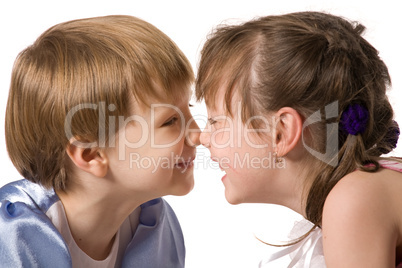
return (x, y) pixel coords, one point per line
(224, 177)
(185, 164)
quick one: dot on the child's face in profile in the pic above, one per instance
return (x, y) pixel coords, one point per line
(154, 151)
(245, 156)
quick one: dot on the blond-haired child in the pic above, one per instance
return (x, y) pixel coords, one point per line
(98, 124)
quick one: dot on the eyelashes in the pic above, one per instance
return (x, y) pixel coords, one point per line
(211, 121)
(171, 121)
(174, 119)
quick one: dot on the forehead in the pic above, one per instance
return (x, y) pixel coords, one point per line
(177, 96)
(224, 100)
(216, 102)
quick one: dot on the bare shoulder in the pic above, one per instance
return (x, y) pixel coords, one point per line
(360, 186)
(362, 192)
(361, 220)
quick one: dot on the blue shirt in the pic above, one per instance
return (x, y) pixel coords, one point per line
(28, 238)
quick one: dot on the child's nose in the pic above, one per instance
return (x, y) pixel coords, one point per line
(193, 134)
(205, 137)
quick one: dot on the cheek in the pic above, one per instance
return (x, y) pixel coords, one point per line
(168, 136)
(222, 138)
(133, 137)
(245, 161)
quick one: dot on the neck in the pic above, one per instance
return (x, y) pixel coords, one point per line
(298, 193)
(295, 183)
(95, 214)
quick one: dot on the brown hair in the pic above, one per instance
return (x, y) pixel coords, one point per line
(306, 61)
(90, 61)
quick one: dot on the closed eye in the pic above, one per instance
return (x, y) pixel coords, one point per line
(170, 122)
(211, 121)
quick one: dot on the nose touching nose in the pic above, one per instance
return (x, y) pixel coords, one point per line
(205, 138)
(193, 134)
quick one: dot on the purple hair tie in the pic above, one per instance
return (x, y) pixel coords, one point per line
(354, 119)
(391, 138)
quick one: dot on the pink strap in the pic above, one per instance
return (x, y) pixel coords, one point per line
(389, 164)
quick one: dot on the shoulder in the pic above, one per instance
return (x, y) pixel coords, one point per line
(27, 236)
(158, 231)
(358, 188)
(158, 211)
(29, 193)
(359, 192)
(359, 217)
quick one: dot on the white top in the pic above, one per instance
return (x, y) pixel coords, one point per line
(79, 258)
(308, 253)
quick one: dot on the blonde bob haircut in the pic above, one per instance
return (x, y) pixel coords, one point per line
(103, 60)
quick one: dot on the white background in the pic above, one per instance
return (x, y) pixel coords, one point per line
(217, 234)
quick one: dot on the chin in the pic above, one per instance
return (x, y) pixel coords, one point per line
(233, 200)
(184, 187)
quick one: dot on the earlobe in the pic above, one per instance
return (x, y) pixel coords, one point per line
(288, 130)
(91, 160)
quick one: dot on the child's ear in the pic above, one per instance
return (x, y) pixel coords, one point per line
(92, 160)
(288, 128)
